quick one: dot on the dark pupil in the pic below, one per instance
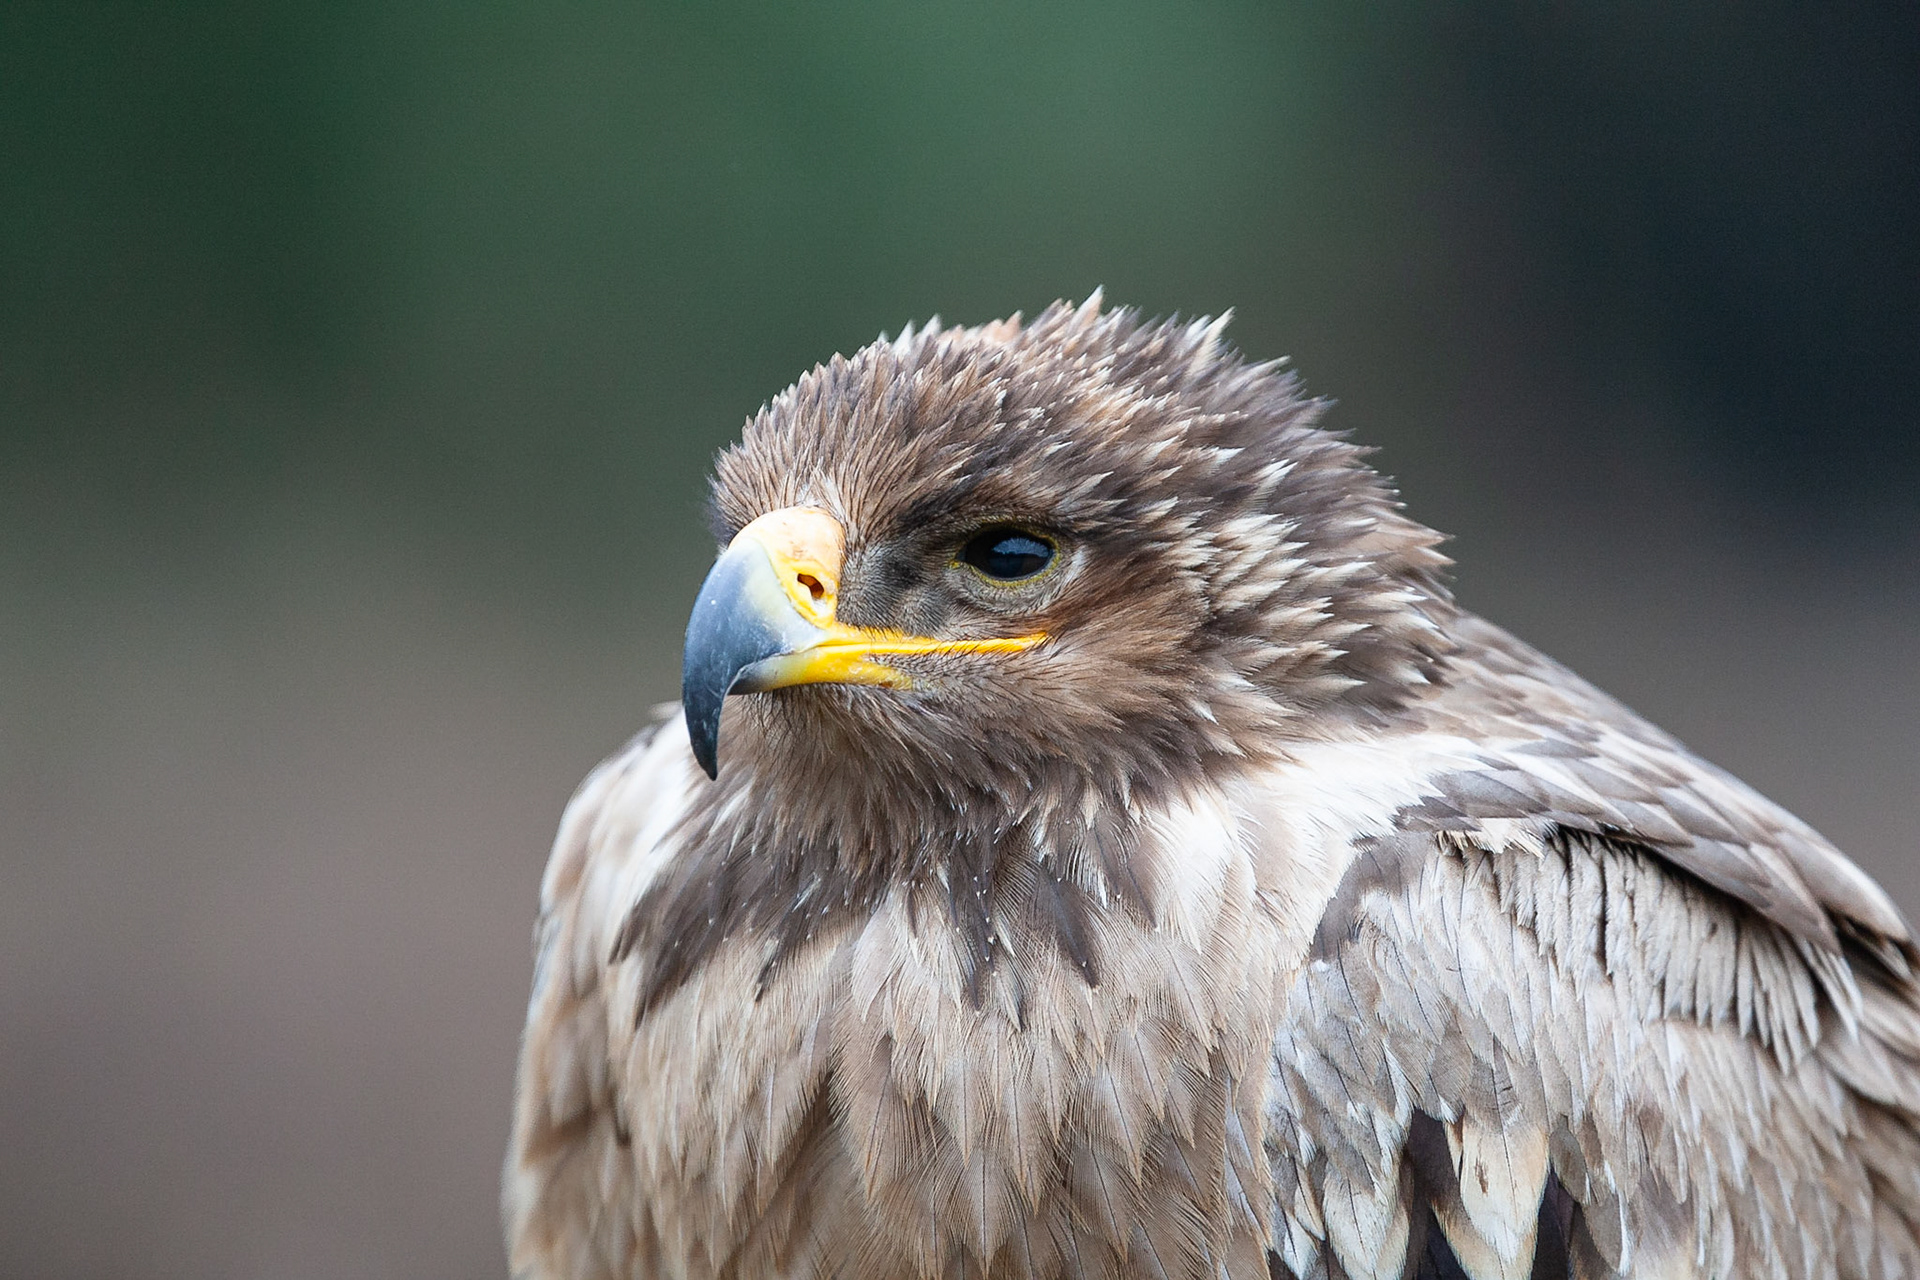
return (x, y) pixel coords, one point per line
(1007, 554)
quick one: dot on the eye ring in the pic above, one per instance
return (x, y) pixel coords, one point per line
(1007, 554)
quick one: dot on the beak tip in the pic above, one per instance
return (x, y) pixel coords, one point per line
(703, 733)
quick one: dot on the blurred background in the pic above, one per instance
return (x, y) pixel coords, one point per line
(361, 365)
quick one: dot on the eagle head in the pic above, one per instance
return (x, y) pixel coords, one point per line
(1089, 555)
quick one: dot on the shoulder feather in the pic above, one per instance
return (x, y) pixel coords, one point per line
(562, 1166)
(1551, 751)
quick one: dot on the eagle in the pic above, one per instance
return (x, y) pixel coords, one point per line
(1092, 842)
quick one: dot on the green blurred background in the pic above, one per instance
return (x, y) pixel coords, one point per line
(360, 366)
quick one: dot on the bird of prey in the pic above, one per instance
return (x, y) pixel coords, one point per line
(1120, 857)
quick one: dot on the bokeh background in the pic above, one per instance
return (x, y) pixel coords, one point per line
(360, 366)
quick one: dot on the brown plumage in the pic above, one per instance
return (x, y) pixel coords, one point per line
(1216, 900)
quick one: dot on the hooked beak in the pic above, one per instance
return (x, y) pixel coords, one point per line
(764, 619)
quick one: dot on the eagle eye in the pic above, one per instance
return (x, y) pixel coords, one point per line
(1007, 554)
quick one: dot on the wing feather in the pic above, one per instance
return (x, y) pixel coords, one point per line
(1588, 1006)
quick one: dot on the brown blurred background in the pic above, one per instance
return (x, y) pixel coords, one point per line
(360, 366)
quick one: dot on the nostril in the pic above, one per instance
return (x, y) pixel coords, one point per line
(812, 584)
